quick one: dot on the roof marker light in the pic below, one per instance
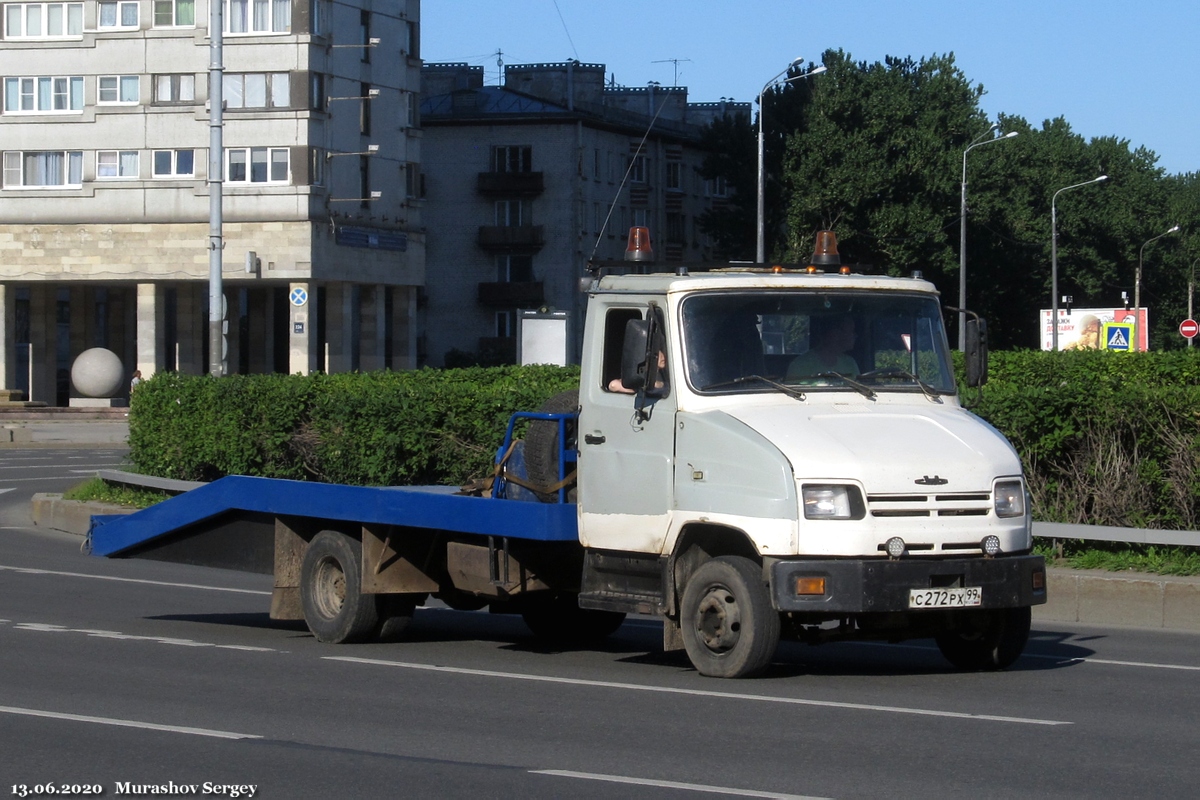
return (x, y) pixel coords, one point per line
(639, 248)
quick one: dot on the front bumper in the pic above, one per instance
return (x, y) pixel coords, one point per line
(882, 585)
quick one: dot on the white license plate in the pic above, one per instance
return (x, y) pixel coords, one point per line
(945, 598)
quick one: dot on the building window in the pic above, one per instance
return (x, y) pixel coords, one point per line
(256, 165)
(116, 164)
(512, 158)
(174, 163)
(596, 170)
(316, 88)
(414, 181)
(364, 182)
(174, 13)
(675, 176)
(43, 20)
(257, 90)
(364, 109)
(316, 166)
(514, 269)
(57, 168)
(506, 324)
(409, 46)
(114, 15)
(43, 95)
(258, 16)
(716, 187)
(512, 213)
(117, 89)
(675, 228)
(364, 35)
(174, 89)
(319, 16)
(637, 169)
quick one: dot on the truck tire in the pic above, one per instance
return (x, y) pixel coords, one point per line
(730, 629)
(560, 620)
(997, 639)
(541, 442)
(334, 606)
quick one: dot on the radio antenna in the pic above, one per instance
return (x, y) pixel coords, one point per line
(624, 180)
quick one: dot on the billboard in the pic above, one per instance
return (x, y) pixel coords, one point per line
(1083, 328)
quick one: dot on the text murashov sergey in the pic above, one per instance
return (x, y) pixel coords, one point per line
(199, 789)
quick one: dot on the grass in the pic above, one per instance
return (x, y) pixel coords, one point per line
(1120, 557)
(101, 491)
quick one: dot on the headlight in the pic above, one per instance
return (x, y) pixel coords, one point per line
(1010, 499)
(832, 502)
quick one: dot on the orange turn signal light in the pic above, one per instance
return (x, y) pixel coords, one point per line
(810, 586)
(1039, 581)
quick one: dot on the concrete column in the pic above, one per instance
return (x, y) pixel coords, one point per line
(150, 319)
(192, 333)
(404, 327)
(43, 357)
(302, 327)
(258, 317)
(374, 327)
(8, 316)
(337, 355)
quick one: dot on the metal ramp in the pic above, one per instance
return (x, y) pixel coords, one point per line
(431, 507)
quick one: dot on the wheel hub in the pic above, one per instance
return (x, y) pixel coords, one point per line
(330, 588)
(719, 619)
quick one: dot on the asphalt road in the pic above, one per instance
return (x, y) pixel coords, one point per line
(129, 673)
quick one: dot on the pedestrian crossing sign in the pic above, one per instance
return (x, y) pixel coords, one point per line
(1118, 336)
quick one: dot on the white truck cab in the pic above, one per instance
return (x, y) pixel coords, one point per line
(776, 450)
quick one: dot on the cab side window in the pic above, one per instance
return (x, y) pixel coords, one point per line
(614, 343)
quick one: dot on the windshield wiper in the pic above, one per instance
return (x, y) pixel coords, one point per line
(788, 390)
(896, 372)
(865, 391)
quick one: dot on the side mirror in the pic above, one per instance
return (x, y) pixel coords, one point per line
(633, 354)
(976, 351)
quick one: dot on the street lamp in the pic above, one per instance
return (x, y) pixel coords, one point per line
(962, 233)
(760, 255)
(1137, 289)
(1054, 258)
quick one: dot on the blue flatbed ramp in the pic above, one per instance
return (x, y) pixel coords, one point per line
(431, 507)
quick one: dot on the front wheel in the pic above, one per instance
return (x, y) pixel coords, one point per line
(730, 629)
(994, 640)
(335, 608)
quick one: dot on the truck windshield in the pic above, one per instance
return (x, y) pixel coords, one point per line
(835, 341)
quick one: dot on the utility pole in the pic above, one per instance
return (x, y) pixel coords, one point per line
(216, 168)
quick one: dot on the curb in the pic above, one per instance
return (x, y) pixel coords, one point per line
(70, 516)
(1091, 597)
(1136, 600)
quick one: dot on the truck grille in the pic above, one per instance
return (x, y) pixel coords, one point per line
(963, 504)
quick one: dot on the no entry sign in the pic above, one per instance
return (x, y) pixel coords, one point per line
(1189, 328)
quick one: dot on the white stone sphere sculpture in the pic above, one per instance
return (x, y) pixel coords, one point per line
(97, 373)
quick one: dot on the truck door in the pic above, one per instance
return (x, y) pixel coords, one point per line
(626, 444)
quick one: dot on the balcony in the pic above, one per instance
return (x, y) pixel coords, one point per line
(515, 294)
(511, 184)
(512, 238)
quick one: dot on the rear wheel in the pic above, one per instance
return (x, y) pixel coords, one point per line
(395, 613)
(994, 639)
(331, 595)
(559, 619)
(729, 627)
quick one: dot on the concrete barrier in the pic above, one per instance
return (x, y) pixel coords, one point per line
(1114, 598)
(70, 516)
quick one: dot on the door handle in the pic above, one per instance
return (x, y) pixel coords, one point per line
(590, 439)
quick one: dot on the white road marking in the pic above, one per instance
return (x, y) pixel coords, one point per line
(690, 787)
(45, 478)
(9, 489)
(73, 468)
(45, 627)
(127, 723)
(31, 571)
(1045, 657)
(798, 701)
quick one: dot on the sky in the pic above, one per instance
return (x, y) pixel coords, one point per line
(1125, 68)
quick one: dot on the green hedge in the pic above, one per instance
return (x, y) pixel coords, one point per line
(1106, 438)
(372, 429)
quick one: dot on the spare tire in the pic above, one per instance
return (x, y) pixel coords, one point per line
(541, 442)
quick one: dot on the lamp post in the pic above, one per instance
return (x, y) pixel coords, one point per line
(1054, 257)
(1137, 289)
(962, 233)
(760, 254)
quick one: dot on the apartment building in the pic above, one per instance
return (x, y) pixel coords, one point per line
(104, 200)
(529, 181)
